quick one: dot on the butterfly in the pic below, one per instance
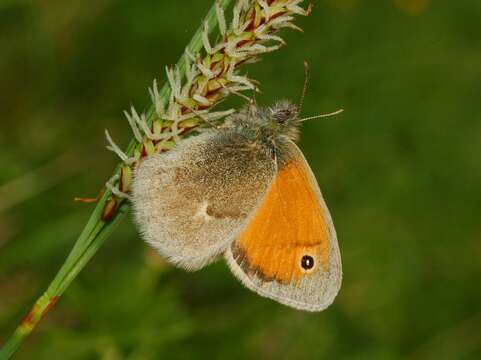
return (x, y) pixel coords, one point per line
(244, 191)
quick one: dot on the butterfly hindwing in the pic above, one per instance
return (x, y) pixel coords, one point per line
(193, 201)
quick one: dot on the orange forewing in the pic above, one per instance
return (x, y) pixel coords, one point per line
(289, 223)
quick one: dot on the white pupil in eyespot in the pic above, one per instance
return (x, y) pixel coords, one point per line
(307, 262)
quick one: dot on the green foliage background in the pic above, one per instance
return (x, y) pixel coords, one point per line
(400, 170)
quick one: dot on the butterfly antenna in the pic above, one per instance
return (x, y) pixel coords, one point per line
(322, 115)
(304, 91)
(306, 85)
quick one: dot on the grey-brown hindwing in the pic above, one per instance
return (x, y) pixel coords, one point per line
(192, 201)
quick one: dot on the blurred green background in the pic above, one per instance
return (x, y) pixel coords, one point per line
(400, 171)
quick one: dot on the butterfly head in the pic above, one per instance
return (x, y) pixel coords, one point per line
(280, 121)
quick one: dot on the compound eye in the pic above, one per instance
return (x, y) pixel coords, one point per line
(282, 116)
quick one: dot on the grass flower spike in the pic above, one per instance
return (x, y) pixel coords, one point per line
(210, 75)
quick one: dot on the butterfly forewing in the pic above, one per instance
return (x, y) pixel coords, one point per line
(289, 251)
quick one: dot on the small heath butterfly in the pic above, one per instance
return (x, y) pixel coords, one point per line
(244, 191)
